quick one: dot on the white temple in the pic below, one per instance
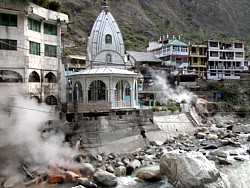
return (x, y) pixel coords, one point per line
(105, 84)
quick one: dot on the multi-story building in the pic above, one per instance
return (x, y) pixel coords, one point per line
(173, 52)
(30, 51)
(198, 59)
(225, 59)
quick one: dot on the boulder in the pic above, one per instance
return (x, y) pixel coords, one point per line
(13, 181)
(105, 178)
(86, 182)
(241, 128)
(87, 169)
(56, 178)
(132, 166)
(188, 169)
(223, 161)
(148, 175)
(218, 153)
(120, 171)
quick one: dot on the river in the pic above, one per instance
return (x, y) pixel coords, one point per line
(238, 174)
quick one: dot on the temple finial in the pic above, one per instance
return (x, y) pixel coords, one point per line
(105, 5)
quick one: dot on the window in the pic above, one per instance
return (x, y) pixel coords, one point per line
(183, 49)
(239, 54)
(34, 25)
(238, 45)
(50, 29)
(214, 54)
(108, 58)
(8, 20)
(213, 44)
(176, 48)
(50, 51)
(34, 48)
(108, 39)
(6, 44)
(213, 73)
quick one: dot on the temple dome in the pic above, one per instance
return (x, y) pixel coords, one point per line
(105, 43)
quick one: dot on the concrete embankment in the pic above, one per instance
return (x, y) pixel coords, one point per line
(104, 134)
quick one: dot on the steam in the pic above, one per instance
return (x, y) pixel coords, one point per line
(178, 94)
(21, 138)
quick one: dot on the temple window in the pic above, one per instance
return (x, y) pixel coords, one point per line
(108, 39)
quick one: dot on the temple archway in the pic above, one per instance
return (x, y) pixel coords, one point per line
(78, 94)
(97, 91)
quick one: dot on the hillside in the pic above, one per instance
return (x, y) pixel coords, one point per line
(145, 20)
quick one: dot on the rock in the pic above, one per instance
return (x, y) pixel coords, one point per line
(211, 146)
(216, 142)
(13, 182)
(56, 178)
(86, 183)
(148, 175)
(201, 135)
(120, 171)
(189, 169)
(132, 166)
(87, 170)
(71, 175)
(223, 161)
(110, 169)
(218, 153)
(238, 158)
(241, 128)
(78, 186)
(248, 150)
(105, 178)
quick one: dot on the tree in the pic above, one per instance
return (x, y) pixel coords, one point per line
(54, 5)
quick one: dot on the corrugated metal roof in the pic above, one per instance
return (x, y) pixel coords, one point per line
(143, 56)
(176, 43)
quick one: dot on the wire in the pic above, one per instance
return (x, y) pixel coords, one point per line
(32, 109)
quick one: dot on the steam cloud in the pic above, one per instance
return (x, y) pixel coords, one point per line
(21, 140)
(178, 94)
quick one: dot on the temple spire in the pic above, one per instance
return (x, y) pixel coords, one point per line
(105, 5)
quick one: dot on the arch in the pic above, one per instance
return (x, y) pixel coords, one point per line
(50, 78)
(34, 77)
(51, 100)
(10, 76)
(122, 90)
(97, 91)
(78, 93)
(108, 39)
(35, 98)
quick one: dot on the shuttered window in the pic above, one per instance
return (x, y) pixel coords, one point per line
(34, 25)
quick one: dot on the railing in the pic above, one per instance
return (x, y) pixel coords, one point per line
(121, 104)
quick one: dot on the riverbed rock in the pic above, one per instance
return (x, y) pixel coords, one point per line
(188, 169)
(150, 176)
(87, 170)
(241, 128)
(120, 171)
(223, 161)
(105, 178)
(132, 166)
(56, 178)
(86, 182)
(13, 182)
(218, 153)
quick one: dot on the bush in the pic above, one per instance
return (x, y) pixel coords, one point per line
(174, 108)
(243, 111)
(155, 109)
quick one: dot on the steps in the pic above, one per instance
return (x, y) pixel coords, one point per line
(191, 119)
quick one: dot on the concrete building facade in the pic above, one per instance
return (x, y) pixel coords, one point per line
(30, 50)
(198, 60)
(225, 59)
(174, 54)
